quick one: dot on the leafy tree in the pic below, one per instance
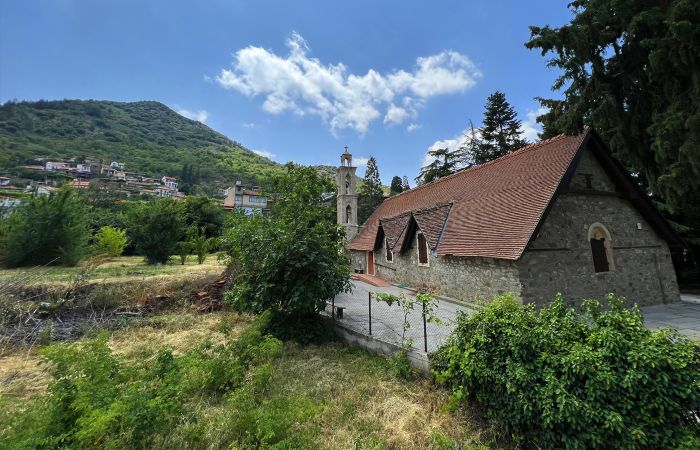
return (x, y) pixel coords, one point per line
(630, 70)
(155, 228)
(200, 244)
(371, 193)
(445, 163)
(204, 213)
(396, 186)
(293, 260)
(183, 249)
(501, 132)
(404, 184)
(110, 241)
(46, 230)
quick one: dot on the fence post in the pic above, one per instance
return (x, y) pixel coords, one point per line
(369, 303)
(425, 331)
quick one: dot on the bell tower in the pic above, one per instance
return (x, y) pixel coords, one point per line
(347, 195)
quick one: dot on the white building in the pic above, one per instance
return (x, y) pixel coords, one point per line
(169, 182)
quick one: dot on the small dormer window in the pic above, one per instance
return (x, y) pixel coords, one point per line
(389, 253)
(589, 180)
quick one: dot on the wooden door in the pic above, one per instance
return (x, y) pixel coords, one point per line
(370, 263)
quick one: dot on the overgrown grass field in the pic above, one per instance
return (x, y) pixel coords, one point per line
(318, 396)
(123, 268)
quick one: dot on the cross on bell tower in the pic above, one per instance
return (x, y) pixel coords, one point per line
(347, 195)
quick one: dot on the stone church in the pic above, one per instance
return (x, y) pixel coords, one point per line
(560, 215)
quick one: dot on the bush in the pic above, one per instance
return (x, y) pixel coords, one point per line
(96, 399)
(110, 241)
(155, 228)
(566, 380)
(46, 230)
(294, 260)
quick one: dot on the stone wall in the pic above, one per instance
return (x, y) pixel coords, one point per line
(474, 280)
(358, 261)
(560, 258)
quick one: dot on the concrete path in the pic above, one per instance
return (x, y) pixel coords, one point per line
(387, 321)
(683, 316)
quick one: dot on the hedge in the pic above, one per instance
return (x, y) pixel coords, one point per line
(556, 378)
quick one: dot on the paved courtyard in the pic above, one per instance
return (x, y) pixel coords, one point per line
(387, 321)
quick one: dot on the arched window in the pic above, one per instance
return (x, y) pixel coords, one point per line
(601, 248)
(347, 184)
(348, 214)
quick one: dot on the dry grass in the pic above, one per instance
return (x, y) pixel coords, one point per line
(22, 376)
(365, 406)
(121, 269)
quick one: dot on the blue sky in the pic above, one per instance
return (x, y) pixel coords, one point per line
(296, 80)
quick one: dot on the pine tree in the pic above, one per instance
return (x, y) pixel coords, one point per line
(396, 187)
(445, 163)
(404, 184)
(501, 132)
(371, 194)
(470, 147)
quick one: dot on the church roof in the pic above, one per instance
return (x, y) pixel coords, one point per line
(489, 210)
(494, 209)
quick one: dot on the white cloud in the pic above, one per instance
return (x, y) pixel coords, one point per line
(199, 116)
(303, 85)
(359, 161)
(412, 127)
(530, 126)
(264, 154)
(249, 125)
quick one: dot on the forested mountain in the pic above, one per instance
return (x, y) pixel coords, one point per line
(148, 136)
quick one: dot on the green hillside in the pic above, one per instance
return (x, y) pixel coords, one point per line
(148, 136)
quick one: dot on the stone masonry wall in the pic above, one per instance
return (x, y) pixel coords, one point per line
(474, 280)
(560, 258)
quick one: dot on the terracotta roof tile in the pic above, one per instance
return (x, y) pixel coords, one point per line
(431, 222)
(393, 227)
(496, 206)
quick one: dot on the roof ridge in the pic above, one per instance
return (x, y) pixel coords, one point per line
(488, 163)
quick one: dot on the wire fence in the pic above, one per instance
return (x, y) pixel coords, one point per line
(403, 322)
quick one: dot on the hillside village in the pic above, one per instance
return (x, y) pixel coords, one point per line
(480, 241)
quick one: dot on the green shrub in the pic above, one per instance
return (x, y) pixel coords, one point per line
(110, 241)
(98, 400)
(155, 228)
(46, 230)
(294, 260)
(561, 379)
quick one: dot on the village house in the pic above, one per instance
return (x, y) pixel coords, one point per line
(170, 182)
(80, 184)
(558, 216)
(247, 200)
(165, 191)
(54, 166)
(4, 181)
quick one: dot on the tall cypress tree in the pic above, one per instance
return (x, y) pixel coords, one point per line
(396, 187)
(501, 132)
(371, 194)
